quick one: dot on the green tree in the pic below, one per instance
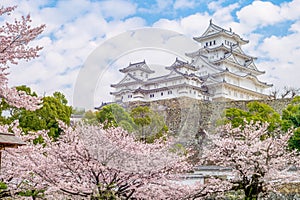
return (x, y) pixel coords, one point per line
(141, 115)
(291, 119)
(53, 108)
(6, 111)
(113, 115)
(256, 112)
(150, 125)
(142, 121)
(90, 117)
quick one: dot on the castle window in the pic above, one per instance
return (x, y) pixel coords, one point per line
(151, 95)
(206, 44)
(170, 92)
(210, 43)
(142, 74)
(146, 75)
(129, 96)
(214, 42)
(161, 94)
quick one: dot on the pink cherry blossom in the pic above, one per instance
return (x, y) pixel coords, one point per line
(260, 161)
(15, 38)
(89, 161)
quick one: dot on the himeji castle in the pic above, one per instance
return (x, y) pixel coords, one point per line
(218, 71)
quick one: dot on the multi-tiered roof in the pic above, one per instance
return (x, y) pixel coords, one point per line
(219, 70)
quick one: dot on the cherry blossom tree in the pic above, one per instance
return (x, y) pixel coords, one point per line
(15, 38)
(90, 162)
(259, 163)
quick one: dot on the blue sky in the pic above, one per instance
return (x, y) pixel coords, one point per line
(75, 28)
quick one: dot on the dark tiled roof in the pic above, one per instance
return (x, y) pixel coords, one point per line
(10, 140)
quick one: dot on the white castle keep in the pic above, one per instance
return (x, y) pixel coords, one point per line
(218, 71)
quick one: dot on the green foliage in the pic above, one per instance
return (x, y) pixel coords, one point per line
(256, 112)
(113, 115)
(294, 142)
(78, 111)
(5, 107)
(4, 192)
(26, 89)
(150, 125)
(127, 125)
(291, 119)
(163, 129)
(141, 115)
(90, 117)
(235, 116)
(291, 114)
(53, 108)
(105, 193)
(146, 124)
(32, 193)
(3, 186)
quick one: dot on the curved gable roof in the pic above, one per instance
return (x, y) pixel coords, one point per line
(214, 29)
(128, 79)
(137, 66)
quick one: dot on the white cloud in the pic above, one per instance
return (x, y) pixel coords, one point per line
(182, 4)
(72, 32)
(192, 25)
(280, 57)
(75, 29)
(283, 49)
(295, 27)
(163, 4)
(259, 14)
(290, 10)
(223, 14)
(117, 9)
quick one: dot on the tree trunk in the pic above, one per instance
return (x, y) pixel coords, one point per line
(252, 192)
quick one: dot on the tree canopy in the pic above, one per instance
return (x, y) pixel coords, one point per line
(89, 162)
(291, 119)
(146, 124)
(258, 166)
(256, 112)
(261, 112)
(113, 115)
(52, 109)
(150, 125)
